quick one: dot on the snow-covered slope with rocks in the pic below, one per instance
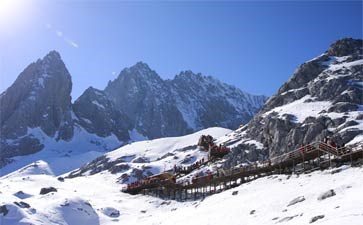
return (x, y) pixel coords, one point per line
(323, 98)
(138, 160)
(96, 199)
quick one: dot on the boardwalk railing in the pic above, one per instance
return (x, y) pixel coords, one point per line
(312, 154)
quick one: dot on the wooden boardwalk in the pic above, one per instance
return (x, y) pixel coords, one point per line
(317, 155)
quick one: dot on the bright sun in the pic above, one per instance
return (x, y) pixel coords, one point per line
(8, 8)
(12, 11)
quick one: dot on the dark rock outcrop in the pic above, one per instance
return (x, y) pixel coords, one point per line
(4, 210)
(326, 195)
(315, 218)
(47, 190)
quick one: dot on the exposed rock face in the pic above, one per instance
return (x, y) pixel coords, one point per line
(147, 101)
(98, 114)
(39, 98)
(188, 103)
(323, 98)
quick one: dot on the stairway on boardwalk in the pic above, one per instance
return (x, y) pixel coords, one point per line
(311, 154)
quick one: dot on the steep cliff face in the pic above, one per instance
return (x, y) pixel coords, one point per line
(147, 101)
(189, 102)
(323, 98)
(40, 97)
(98, 115)
(205, 102)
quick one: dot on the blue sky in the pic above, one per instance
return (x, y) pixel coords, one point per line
(255, 46)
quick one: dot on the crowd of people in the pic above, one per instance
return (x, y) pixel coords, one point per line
(206, 143)
(188, 169)
(217, 151)
(163, 177)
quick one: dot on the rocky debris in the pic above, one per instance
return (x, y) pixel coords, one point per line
(296, 200)
(141, 160)
(61, 179)
(4, 210)
(315, 218)
(235, 193)
(103, 163)
(165, 203)
(111, 212)
(327, 194)
(22, 204)
(287, 218)
(47, 190)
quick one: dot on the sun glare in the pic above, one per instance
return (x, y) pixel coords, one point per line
(8, 8)
(11, 12)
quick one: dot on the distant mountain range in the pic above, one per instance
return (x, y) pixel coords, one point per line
(36, 111)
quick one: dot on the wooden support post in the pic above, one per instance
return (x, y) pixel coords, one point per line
(319, 158)
(303, 156)
(293, 165)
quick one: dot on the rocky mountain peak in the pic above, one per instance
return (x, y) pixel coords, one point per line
(346, 46)
(53, 55)
(39, 98)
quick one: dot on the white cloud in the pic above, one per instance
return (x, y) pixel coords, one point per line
(71, 42)
(59, 33)
(62, 36)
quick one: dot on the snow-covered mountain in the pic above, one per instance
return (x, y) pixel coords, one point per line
(36, 111)
(322, 99)
(188, 103)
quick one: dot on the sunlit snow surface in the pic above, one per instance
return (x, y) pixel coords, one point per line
(93, 199)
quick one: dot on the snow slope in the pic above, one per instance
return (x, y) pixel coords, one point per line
(140, 159)
(64, 156)
(97, 200)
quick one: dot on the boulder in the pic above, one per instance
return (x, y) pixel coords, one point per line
(47, 190)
